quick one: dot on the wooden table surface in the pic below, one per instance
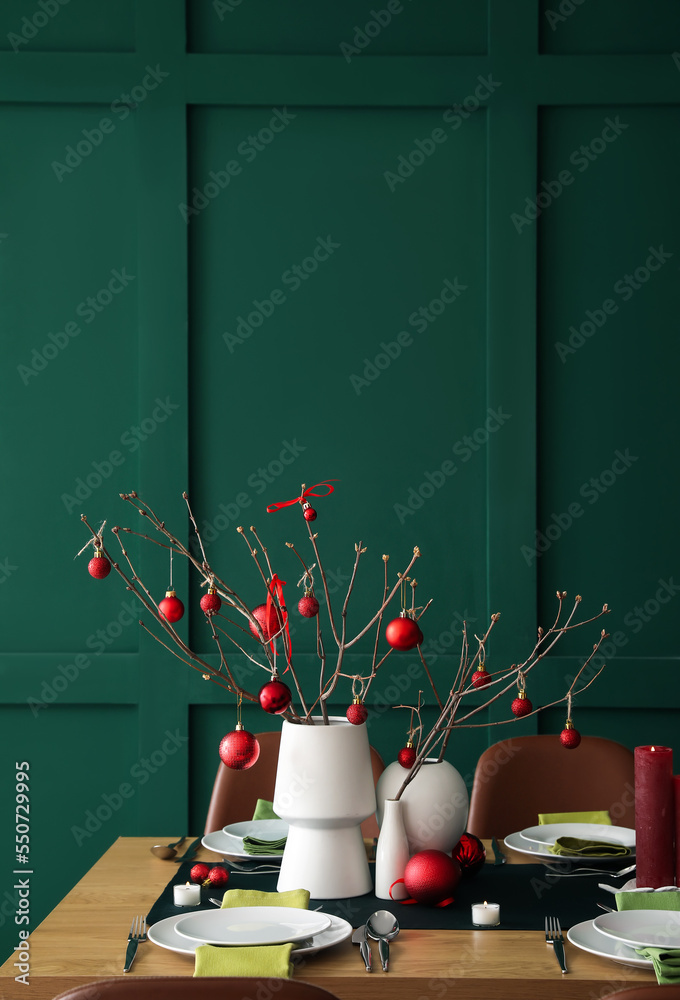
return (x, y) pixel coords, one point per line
(84, 939)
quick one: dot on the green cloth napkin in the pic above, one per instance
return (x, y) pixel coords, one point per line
(596, 816)
(666, 963)
(586, 848)
(266, 961)
(648, 900)
(255, 897)
(255, 845)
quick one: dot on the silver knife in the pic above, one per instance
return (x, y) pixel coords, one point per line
(130, 954)
(559, 952)
(498, 857)
(359, 937)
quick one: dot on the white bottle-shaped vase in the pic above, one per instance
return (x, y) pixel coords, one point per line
(391, 853)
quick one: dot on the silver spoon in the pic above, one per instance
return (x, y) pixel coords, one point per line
(167, 851)
(383, 927)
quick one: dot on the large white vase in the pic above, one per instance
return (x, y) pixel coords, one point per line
(324, 790)
(434, 805)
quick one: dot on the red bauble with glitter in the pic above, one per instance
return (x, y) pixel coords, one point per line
(270, 625)
(403, 633)
(521, 706)
(357, 713)
(481, 677)
(239, 749)
(570, 737)
(217, 877)
(199, 873)
(407, 756)
(430, 877)
(99, 566)
(275, 696)
(211, 602)
(171, 607)
(308, 606)
(308, 512)
(470, 854)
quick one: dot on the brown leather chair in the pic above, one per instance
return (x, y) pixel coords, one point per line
(202, 988)
(235, 793)
(518, 778)
(651, 992)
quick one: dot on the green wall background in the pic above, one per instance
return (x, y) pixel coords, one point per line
(157, 100)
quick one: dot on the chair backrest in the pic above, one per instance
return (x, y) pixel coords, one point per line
(235, 793)
(671, 991)
(518, 778)
(201, 988)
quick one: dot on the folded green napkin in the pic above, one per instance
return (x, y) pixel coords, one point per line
(666, 963)
(267, 961)
(597, 816)
(255, 897)
(648, 900)
(264, 809)
(588, 848)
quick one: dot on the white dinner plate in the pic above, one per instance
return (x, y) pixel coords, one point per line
(642, 928)
(517, 842)
(263, 829)
(249, 926)
(224, 845)
(588, 938)
(164, 935)
(548, 833)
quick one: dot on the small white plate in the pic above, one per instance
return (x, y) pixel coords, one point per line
(164, 935)
(588, 938)
(263, 829)
(642, 928)
(548, 833)
(249, 926)
(224, 845)
(517, 842)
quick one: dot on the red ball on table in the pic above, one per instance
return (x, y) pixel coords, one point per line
(470, 854)
(430, 877)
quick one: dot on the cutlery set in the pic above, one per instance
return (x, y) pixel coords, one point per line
(137, 934)
(382, 926)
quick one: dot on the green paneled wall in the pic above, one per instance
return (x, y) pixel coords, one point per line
(180, 166)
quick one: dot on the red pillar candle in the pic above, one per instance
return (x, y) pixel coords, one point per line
(654, 816)
(676, 782)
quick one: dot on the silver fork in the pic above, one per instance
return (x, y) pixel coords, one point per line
(256, 869)
(553, 936)
(591, 871)
(137, 934)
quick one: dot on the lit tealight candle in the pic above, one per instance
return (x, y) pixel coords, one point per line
(186, 895)
(486, 914)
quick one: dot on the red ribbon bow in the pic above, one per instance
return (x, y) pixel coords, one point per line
(309, 492)
(276, 587)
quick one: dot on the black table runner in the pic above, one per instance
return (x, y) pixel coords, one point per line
(526, 894)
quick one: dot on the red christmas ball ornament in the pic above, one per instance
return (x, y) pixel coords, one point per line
(275, 696)
(211, 602)
(403, 633)
(570, 737)
(99, 566)
(171, 607)
(199, 873)
(270, 625)
(357, 713)
(521, 705)
(239, 749)
(308, 606)
(470, 854)
(407, 755)
(217, 877)
(308, 512)
(430, 877)
(481, 677)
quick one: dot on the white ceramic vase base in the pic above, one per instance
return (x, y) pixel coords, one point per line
(313, 856)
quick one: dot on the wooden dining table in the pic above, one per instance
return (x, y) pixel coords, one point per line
(84, 939)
